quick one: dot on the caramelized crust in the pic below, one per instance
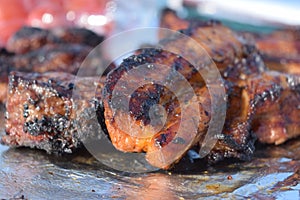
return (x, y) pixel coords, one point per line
(170, 20)
(279, 120)
(221, 43)
(252, 90)
(235, 62)
(261, 104)
(41, 112)
(281, 50)
(30, 38)
(141, 135)
(58, 58)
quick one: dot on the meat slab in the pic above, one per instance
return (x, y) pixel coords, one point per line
(262, 102)
(41, 113)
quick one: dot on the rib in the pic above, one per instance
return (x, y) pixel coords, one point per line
(221, 43)
(257, 106)
(170, 20)
(30, 38)
(256, 97)
(42, 50)
(48, 58)
(279, 120)
(281, 50)
(232, 58)
(41, 112)
(75, 35)
(249, 86)
(132, 139)
(58, 57)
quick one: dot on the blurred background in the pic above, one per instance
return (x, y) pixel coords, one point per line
(111, 16)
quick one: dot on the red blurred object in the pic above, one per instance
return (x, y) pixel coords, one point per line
(89, 6)
(52, 13)
(12, 16)
(12, 10)
(89, 14)
(8, 28)
(47, 15)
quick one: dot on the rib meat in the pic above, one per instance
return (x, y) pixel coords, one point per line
(58, 57)
(281, 50)
(130, 140)
(170, 20)
(31, 38)
(279, 120)
(42, 113)
(49, 58)
(42, 50)
(225, 50)
(261, 103)
(249, 86)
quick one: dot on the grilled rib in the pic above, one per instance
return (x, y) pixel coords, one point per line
(49, 58)
(281, 50)
(40, 50)
(31, 38)
(256, 96)
(249, 87)
(42, 113)
(170, 20)
(59, 57)
(279, 120)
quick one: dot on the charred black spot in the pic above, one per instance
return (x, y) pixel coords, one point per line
(53, 125)
(161, 140)
(206, 113)
(142, 100)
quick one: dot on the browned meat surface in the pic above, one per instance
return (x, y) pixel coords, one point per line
(283, 43)
(170, 20)
(49, 58)
(30, 38)
(221, 50)
(41, 112)
(78, 36)
(141, 136)
(250, 88)
(279, 120)
(261, 103)
(281, 50)
(58, 57)
(221, 43)
(41, 50)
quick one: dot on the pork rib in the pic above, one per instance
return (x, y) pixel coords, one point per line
(249, 86)
(256, 97)
(281, 50)
(30, 38)
(41, 112)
